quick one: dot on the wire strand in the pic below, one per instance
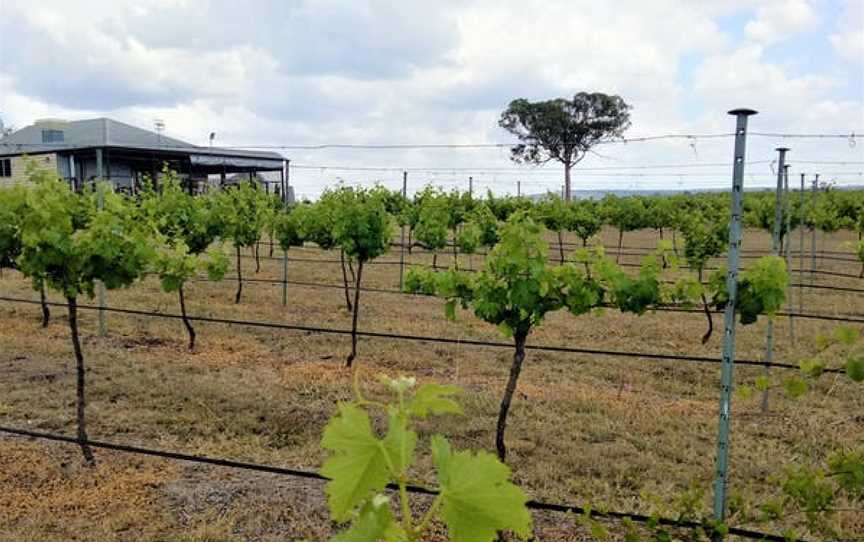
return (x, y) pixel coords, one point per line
(430, 339)
(312, 475)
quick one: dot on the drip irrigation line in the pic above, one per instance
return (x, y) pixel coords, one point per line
(429, 339)
(312, 475)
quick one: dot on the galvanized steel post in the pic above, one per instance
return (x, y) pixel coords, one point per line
(813, 230)
(284, 278)
(402, 235)
(801, 249)
(728, 360)
(100, 286)
(788, 211)
(775, 248)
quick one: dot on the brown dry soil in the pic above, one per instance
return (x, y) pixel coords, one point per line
(617, 433)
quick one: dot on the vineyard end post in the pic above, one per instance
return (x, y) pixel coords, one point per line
(722, 460)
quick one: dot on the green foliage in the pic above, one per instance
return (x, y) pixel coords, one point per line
(178, 216)
(554, 213)
(584, 220)
(626, 214)
(244, 211)
(661, 212)
(361, 225)
(564, 129)
(631, 294)
(855, 369)
(287, 230)
(760, 212)
(420, 281)
(70, 243)
(13, 208)
(315, 221)
(469, 238)
(175, 265)
(704, 238)
(483, 218)
(432, 223)
(475, 498)
(761, 289)
(517, 286)
(847, 468)
(841, 345)
(795, 387)
(478, 500)
(846, 335)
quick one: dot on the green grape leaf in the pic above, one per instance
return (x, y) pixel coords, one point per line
(357, 467)
(855, 369)
(795, 387)
(374, 523)
(478, 500)
(400, 443)
(434, 399)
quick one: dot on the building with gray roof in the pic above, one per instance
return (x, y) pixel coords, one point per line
(84, 150)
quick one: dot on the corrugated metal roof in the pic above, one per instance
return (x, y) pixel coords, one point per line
(104, 132)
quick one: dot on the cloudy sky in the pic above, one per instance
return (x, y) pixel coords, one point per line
(283, 72)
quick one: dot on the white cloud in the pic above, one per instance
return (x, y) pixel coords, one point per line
(779, 19)
(365, 72)
(850, 45)
(848, 40)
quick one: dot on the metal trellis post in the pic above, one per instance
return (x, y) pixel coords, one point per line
(813, 230)
(775, 249)
(100, 286)
(788, 211)
(728, 359)
(801, 249)
(284, 278)
(402, 236)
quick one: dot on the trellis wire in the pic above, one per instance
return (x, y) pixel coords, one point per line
(312, 475)
(423, 338)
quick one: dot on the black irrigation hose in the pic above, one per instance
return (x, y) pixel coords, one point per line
(296, 473)
(430, 339)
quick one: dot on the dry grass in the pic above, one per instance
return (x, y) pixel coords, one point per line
(606, 431)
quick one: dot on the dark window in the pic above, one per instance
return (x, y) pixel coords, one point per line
(52, 136)
(5, 167)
